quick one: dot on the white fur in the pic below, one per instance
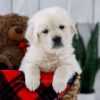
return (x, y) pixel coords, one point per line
(40, 56)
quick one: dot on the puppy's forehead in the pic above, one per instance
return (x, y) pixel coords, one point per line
(53, 15)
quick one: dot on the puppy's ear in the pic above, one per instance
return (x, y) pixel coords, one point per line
(35, 35)
(31, 34)
(72, 26)
(73, 29)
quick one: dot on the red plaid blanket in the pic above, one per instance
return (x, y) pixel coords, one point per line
(12, 87)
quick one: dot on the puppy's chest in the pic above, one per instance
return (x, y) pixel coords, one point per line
(49, 62)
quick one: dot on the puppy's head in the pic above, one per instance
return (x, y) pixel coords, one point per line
(51, 29)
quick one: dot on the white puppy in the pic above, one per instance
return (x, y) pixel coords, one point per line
(50, 33)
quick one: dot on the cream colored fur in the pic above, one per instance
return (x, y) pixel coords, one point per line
(40, 56)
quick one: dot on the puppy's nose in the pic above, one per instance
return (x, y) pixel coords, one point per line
(56, 39)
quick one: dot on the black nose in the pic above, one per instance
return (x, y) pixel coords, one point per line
(56, 39)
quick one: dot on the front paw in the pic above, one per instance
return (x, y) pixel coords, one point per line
(32, 83)
(59, 84)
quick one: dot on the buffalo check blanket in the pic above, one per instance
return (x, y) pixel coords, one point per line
(12, 87)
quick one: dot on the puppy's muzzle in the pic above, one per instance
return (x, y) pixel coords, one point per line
(57, 42)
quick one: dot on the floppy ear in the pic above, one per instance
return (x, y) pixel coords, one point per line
(73, 29)
(31, 34)
(72, 26)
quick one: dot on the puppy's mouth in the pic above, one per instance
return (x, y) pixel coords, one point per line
(57, 45)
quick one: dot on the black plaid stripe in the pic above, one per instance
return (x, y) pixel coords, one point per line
(46, 93)
(16, 87)
(8, 92)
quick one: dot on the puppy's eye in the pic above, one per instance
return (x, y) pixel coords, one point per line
(61, 27)
(45, 31)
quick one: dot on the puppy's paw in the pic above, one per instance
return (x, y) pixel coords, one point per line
(32, 83)
(59, 84)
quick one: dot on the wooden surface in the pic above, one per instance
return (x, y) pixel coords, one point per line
(82, 10)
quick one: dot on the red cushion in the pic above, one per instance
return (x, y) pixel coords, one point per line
(12, 87)
(9, 75)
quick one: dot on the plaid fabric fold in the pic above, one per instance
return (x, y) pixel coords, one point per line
(12, 87)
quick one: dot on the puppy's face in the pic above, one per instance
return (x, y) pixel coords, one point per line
(51, 29)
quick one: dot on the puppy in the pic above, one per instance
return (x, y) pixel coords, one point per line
(50, 33)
